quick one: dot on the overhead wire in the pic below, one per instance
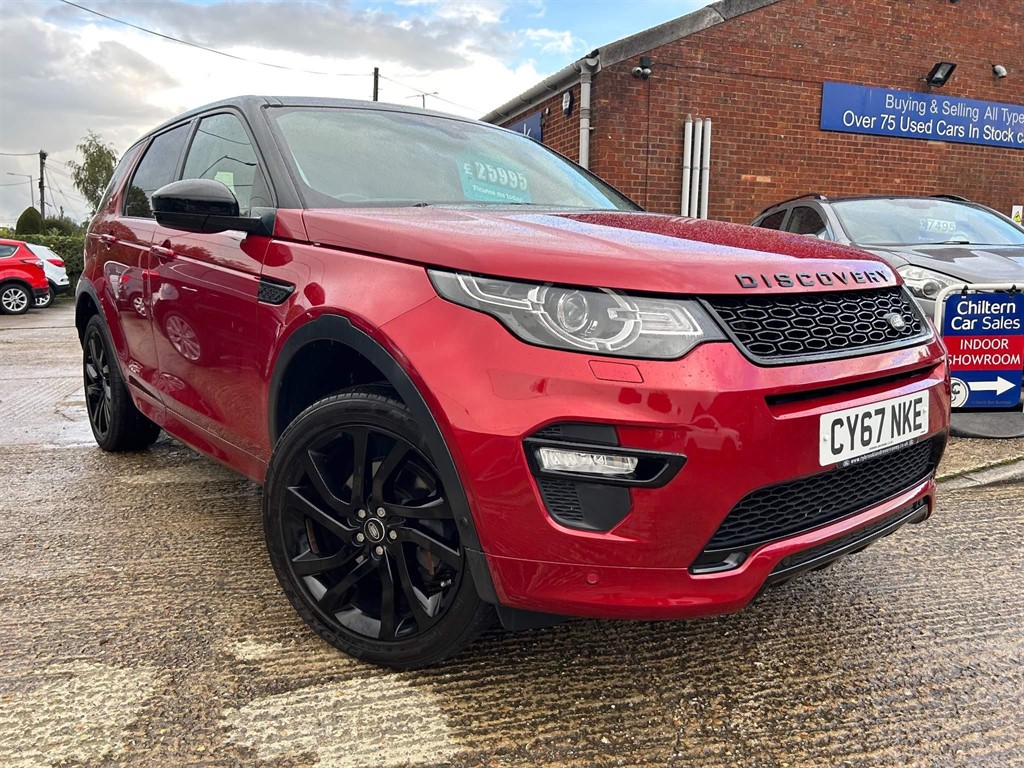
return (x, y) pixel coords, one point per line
(67, 202)
(428, 93)
(212, 50)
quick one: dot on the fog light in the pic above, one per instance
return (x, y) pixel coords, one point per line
(584, 462)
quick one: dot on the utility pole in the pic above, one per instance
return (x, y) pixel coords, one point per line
(42, 188)
(376, 82)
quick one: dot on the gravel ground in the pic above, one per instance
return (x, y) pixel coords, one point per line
(142, 625)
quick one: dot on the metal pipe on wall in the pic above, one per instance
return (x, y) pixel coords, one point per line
(705, 169)
(698, 128)
(684, 202)
(585, 118)
(587, 67)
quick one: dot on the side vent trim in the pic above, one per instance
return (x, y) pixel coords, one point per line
(273, 291)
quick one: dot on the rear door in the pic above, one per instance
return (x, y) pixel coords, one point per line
(205, 297)
(120, 237)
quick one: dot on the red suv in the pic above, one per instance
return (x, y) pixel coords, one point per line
(22, 279)
(473, 378)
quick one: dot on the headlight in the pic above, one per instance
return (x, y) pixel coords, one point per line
(594, 320)
(925, 284)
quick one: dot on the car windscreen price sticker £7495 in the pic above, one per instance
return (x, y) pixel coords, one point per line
(984, 333)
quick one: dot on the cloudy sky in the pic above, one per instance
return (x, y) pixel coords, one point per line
(64, 71)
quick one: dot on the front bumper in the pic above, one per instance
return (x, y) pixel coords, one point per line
(740, 426)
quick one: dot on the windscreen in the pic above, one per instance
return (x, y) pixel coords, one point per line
(42, 251)
(359, 157)
(923, 221)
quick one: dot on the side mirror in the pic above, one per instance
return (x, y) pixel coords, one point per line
(200, 205)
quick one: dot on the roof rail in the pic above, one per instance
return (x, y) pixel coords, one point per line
(811, 195)
(957, 198)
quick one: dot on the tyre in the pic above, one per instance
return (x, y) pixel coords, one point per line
(362, 536)
(116, 423)
(44, 303)
(15, 299)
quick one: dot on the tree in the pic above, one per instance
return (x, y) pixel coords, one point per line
(92, 175)
(61, 225)
(29, 223)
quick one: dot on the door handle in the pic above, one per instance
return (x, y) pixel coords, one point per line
(107, 239)
(161, 253)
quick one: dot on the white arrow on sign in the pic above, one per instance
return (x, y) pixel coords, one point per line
(998, 386)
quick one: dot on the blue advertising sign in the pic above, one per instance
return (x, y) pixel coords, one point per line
(984, 333)
(909, 115)
(530, 126)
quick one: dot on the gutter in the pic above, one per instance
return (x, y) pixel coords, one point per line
(582, 72)
(567, 76)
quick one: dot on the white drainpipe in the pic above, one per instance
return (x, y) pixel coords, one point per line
(586, 68)
(705, 169)
(698, 129)
(684, 202)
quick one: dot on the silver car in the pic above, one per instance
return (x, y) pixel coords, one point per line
(934, 242)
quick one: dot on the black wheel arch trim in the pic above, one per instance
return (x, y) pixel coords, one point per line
(339, 329)
(86, 288)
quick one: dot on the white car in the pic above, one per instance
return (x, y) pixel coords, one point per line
(56, 274)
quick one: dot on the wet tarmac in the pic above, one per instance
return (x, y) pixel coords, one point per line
(142, 626)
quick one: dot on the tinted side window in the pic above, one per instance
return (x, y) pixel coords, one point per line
(119, 173)
(221, 151)
(7, 250)
(774, 221)
(158, 167)
(807, 221)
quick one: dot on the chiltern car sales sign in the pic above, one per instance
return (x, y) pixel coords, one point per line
(905, 114)
(984, 333)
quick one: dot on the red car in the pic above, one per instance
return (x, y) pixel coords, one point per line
(22, 279)
(475, 379)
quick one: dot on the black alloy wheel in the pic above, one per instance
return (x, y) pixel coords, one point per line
(98, 394)
(363, 537)
(116, 423)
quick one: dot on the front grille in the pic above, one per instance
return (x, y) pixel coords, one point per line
(790, 508)
(850, 540)
(786, 327)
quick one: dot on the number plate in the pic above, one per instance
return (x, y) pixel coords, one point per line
(855, 432)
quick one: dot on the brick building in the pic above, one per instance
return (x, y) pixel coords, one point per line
(757, 69)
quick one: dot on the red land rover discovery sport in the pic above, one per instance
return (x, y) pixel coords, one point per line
(475, 379)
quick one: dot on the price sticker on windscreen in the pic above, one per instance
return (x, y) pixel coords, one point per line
(984, 333)
(489, 181)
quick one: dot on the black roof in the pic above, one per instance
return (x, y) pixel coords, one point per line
(251, 103)
(845, 198)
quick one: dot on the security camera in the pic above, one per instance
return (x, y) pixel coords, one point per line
(999, 71)
(641, 73)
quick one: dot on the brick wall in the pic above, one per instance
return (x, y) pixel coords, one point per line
(759, 76)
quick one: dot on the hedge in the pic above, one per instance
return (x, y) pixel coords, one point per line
(68, 247)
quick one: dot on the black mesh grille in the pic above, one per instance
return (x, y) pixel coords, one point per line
(790, 508)
(807, 324)
(561, 499)
(823, 550)
(272, 292)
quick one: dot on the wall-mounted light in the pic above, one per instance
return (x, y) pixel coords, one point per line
(940, 73)
(644, 70)
(999, 71)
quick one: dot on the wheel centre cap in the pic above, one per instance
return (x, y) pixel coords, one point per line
(374, 530)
